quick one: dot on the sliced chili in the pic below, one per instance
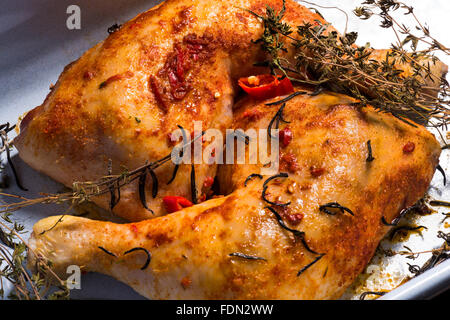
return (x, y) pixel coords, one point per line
(266, 86)
(175, 203)
(409, 147)
(208, 182)
(285, 136)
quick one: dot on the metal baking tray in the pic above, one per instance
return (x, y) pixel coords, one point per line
(35, 45)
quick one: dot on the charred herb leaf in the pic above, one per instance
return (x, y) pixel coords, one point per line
(250, 177)
(405, 228)
(149, 256)
(246, 256)
(329, 208)
(299, 234)
(370, 157)
(107, 252)
(115, 27)
(309, 265)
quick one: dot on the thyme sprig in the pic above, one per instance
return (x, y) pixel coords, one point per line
(438, 256)
(5, 147)
(13, 250)
(271, 40)
(85, 191)
(335, 62)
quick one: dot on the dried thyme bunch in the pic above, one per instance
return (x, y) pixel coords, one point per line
(13, 251)
(333, 61)
(13, 248)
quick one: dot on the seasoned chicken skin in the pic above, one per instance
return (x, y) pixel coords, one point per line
(244, 247)
(170, 66)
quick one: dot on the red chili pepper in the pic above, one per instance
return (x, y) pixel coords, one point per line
(409, 147)
(285, 136)
(158, 93)
(266, 86)
(208, 182)
(295, 218)
(316, 172)
(134, 228)
(174, 203)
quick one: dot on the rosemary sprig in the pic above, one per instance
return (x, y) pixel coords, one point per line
(250, 177)
(334, 205)
(446, 216)
(266, 186)
(310, 264)
(149, 256)
(389, 224)
(115, 27)
(107, 252)
(193, 185)
(246, 256)
(277, 118)
(297, 233)
(403, 212)
(175, 171)
(147, 261)
(142, 194)
(370, 157)
(441, 170)
(436, 203)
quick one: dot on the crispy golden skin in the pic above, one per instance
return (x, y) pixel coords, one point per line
(326, 162)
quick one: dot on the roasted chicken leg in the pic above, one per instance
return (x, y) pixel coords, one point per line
(251, 244)
(170, 66)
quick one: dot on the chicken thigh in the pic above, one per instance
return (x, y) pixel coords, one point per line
(305, 233)
(120, 102)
